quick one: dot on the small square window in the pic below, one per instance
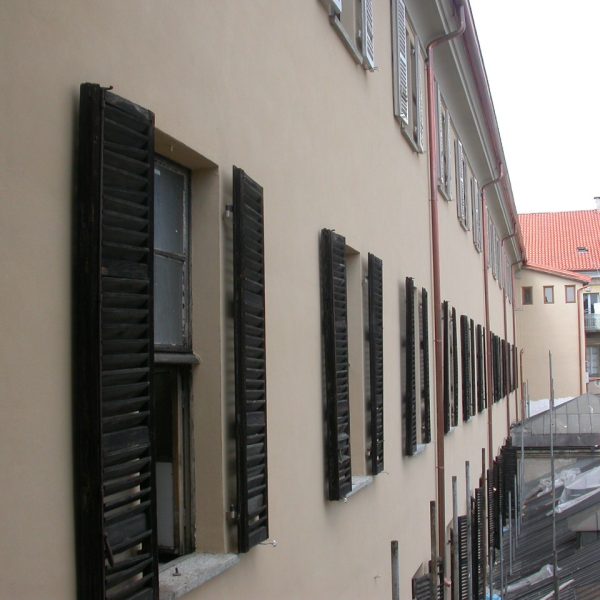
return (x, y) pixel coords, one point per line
(569, 293)
(527, 295)
(548, 294)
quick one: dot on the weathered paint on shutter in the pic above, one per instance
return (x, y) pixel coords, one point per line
(250, 361)
(368, 36)
(447, 366)
(421, 588)
(376, 360)
(410, 403)
(426, 389)
(454, 368)
(114, 435)
(400, 60)
(420, 101)
(335, 335)
(480, 370)
(466, 367)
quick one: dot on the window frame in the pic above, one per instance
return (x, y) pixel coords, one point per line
(548, 287)
(524, 290)
(476, 214)
(444, 168)
(567, 288)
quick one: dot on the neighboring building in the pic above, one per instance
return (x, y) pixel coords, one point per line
(569, 241)
(357, 265)
(549, 319)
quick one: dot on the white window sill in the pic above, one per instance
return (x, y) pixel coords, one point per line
(343, 34)
(444, 192)
(189, 572)
(359, 482)
(409, 138)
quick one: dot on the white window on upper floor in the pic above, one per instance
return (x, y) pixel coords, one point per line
(461, 187)
(444, 154)
(353, 22)
(476, 214)
(408, 77)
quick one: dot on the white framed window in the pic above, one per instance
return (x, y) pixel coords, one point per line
(407, 61)
(445, 172)
(476, 214)
(461, 188)
(353, 22)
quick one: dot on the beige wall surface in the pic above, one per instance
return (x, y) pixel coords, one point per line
(544, 328)
(287, 104)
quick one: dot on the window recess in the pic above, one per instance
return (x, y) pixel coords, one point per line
(450, 360)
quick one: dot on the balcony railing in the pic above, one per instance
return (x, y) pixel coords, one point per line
(592, 322)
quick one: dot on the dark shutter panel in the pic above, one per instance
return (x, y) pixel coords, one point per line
(335, 340)
(516, 367)
(410, 405)
(466, 367)
(454, 369)
(504, 369)
(114, 456)
(422, 588)
(426, 390)
(491, 504)
(485, 348)
(376, 361)
(480, 379)
(250, 361)
(509, 472)
(463, 563)
(472, 380)
(478, 524)
(447, 364)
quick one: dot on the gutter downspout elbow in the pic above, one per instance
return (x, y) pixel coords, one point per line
(436, 279)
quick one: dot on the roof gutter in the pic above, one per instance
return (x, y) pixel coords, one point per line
(436, 283)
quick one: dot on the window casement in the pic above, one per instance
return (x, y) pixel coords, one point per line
(353, 22)
(548, 294)
(526, 295)
(133, 443)
(407, 64)
(343, 335)
(466, 375)
(570, 295)
(592, 360)
(590, 303)
(462, 210)
(445, 171)
(417, 411)
(450, 362)
(476, 214)
(480, 359)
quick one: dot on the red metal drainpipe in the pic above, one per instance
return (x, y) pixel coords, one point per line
(579, 311)
(504, 296)
(437, 295)
(486, 297)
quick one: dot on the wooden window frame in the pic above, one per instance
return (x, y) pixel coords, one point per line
(548, 287)
(523, 292)
(567, 288)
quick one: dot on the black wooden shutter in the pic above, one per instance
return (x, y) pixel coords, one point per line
(426, 390)
(376, 360)
(491, 509)
(463, 563)
(421, 587)
(472, 361)
(478, 524)
(504, 370)
(447, 364)
(454, 369)
(250, 361)
(480, 367)
(410, 405)
(114, 437)
(485, 346)
(509, 472)
(466, 367)
(335, 343)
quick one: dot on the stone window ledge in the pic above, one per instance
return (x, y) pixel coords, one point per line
(187, 573)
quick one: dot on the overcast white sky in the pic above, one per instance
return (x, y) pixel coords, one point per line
(542, 62)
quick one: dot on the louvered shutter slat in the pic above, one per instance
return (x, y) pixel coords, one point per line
(460, 164)
(420, 101)
(368, 37)
(399, 44)
(463, 563)
(466, 367)
(250, 361)
(454, 369)
(116, 498)
(426, 391)
(480, 369)
(410, 405)
(335, 338)
(447, 367)
(376, 360)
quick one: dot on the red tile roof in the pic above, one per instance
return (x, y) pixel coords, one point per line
(553, 239)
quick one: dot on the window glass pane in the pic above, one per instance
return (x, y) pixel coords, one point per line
(527, 295)
(570, 293)
(169, 201)
(548, 295)
(168, 301)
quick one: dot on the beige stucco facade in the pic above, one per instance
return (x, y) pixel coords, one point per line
(555, 328)
(270, 87)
